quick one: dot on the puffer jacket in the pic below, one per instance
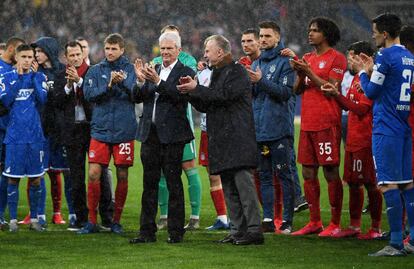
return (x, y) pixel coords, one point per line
(113, 113)
(271, 95)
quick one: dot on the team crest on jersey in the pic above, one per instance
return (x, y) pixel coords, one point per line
(91, 154)
(322, 64)
(45, 86)
(285, 80)
(272, 68)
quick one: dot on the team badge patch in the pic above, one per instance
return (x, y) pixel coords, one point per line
(322, 64)
(272, 68)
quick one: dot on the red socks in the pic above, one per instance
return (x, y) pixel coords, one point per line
(312, 193)
(278, 206)
(94, 195)
(120, 198)
(375, 207)
(56, 190)
(218, 199)
(335, 191)
(356, 202)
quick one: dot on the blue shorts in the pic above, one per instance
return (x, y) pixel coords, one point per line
(55, 157)
(392, 159)
(24, 160)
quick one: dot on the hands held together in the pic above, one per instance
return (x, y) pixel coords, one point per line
(145, 72)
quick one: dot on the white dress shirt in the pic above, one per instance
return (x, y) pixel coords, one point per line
(79, 110)
(164, 73)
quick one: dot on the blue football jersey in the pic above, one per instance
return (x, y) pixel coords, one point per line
(4, 68)
(390, 88)
(22, 94)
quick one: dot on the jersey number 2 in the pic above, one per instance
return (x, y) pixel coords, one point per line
(406, 86)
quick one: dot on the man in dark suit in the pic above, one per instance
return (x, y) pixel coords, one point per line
(232, 144)
(163, 130)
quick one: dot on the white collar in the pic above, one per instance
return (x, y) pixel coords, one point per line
(170, 67)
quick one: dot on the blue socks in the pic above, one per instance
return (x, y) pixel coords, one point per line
(12, 200)
(3, 195)
(41, 208)
(394, 213)
(35, 194)
(409, 207)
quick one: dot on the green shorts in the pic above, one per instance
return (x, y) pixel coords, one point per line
(189, 151)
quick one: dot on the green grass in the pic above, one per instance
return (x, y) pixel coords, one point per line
(58, 248)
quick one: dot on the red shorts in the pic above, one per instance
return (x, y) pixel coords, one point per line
(203, 152)
(320, 147)
(359, 167)
(100, 152)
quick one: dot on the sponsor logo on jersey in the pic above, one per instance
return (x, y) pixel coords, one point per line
(8, 169)
(91, 154)
(23, 94)
(12, 83)
(322, 64)
(329, 159)
(128, 158)
(338, 70)
(104, 76)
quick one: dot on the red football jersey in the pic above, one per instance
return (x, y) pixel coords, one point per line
(359, 127)
(318, 111)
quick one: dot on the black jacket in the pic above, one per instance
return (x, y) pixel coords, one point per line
(170, 114)
(67, 103)
(51, 114)
(230, 125)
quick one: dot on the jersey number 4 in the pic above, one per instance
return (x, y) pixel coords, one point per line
(406, 86)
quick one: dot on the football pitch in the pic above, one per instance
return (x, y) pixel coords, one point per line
(59, 248)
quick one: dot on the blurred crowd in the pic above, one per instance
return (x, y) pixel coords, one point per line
(140, 21)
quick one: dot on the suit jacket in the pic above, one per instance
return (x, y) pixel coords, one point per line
(67, 103)
(170, 113)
